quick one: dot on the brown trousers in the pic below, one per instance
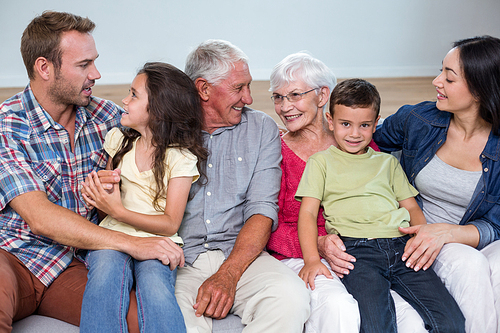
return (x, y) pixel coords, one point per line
(22, 294)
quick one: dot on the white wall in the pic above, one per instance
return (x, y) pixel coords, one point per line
(365, 38)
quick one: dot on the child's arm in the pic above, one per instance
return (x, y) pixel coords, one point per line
(416, 218)
(166, 224)
(416, 215)
(308, 238)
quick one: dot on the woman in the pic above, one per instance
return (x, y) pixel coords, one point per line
(301, 87)
(450, 153)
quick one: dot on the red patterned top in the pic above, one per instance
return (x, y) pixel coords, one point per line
(284, 242)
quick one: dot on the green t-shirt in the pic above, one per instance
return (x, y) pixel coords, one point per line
(359, 193)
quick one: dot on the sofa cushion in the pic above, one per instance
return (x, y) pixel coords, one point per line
(42, 324)
(230, 324)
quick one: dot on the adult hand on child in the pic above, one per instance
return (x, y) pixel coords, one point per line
(161, 248)
(107, 201)
(422, 249)
(109, 177)
(332, 249)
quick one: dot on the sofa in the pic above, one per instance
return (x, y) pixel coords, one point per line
(42, 324)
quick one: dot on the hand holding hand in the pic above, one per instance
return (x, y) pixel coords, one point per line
(95, 195)
(107, 178)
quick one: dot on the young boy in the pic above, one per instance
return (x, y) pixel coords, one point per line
(366, 197)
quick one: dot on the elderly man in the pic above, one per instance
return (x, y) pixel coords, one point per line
(50, 139)
(231, 214)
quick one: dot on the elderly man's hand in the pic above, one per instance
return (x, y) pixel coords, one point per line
(332, 249)
(216, 295)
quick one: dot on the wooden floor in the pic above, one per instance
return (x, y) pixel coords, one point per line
(394, 92)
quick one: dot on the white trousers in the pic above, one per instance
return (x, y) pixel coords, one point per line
(333, 309)
(473, 278)
(269, 296)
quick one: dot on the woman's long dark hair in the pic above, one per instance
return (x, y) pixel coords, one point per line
(480, 60)
(175, 120)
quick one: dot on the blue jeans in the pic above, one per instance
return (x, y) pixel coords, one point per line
(106, 299)
(379, 268)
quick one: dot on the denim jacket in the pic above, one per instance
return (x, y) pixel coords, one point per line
(419, 131)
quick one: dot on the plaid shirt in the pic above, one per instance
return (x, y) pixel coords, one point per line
(35, 155)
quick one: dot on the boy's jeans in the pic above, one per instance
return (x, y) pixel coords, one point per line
(106, 298)
(379, 268)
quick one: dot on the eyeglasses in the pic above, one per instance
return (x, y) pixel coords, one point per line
(292, 97)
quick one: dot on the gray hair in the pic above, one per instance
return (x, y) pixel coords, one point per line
(303, 67)
(213, 60)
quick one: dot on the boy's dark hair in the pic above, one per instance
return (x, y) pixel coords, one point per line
(357, 93)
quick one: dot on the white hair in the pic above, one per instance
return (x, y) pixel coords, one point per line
(303, 67)
(213, 60)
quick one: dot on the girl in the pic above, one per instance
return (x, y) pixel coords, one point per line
(158, 153)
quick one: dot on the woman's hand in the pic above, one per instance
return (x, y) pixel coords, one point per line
(422, 249)
(96, 196)
(332, 249)
(310, 270)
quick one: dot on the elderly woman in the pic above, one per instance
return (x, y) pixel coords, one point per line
(301, 87)
(451, 154)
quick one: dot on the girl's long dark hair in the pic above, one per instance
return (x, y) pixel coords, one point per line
(175, 120)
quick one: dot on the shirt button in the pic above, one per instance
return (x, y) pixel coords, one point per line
(240, 159)
(209, 165)
(209, 193)
(205, 245)
(482, 156)
(208, 221)
(211, 136)
(485, 169)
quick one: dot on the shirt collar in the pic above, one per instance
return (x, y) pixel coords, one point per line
(492, 148)
(244, 119)
(39, 119)
(441, 119)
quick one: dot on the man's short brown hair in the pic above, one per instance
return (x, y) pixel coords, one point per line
(42, 37)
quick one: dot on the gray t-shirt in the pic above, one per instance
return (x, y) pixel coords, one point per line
(445, 191)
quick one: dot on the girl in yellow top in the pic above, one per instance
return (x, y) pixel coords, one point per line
(158, 153)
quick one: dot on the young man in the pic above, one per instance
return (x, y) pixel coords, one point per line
(50, 139)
